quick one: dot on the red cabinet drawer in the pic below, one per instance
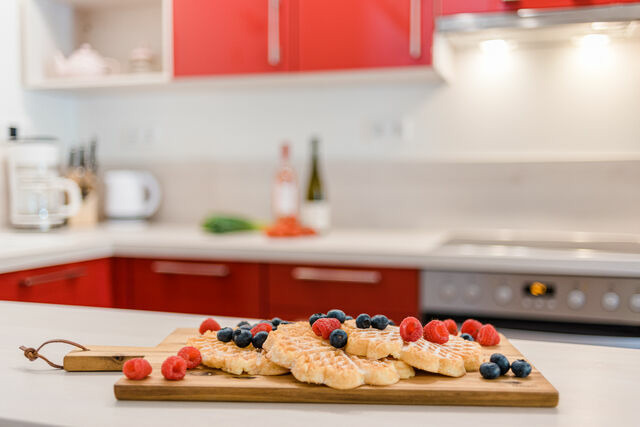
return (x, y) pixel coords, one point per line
(81, 283)
(201, 287)
(339, 34)
(297, 291)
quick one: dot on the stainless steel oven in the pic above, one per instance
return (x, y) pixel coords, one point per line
(579, 309)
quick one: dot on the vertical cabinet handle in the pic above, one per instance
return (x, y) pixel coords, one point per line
(273, 32)
(415, 29)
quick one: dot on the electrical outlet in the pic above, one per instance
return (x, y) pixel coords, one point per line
(388, 131)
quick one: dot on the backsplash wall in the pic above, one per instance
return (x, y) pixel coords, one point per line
(522, 144)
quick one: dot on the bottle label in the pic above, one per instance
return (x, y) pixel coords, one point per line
(317, 215)
(285, 199)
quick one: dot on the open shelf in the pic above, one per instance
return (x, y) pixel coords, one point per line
(112, 27)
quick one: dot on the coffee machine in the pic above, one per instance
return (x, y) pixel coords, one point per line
(39, 197)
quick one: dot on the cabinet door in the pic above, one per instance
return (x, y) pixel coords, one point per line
(200, 287)
(81, 283)
(297, 291)
(230, 36)
(344, 34)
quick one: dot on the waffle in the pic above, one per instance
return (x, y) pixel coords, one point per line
(451, 359)
(232, 359)
(312, 360)
(470, 351)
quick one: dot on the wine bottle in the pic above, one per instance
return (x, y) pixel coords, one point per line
(285, 194)
(315, 211)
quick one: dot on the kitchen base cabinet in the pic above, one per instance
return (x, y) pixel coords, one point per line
(297, 291)
(80, 283)
(199, 287)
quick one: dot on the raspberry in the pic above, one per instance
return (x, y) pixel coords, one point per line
(488, 336)
(209, 325)
(323, 327)
(136, 369)
(410, 329)
(471, 327)
(436, 331)
(174, 368)
(191, 355)
(260, 327)
(451, 326)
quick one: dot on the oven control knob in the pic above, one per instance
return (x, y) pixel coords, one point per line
(610, 301)
(576, 299)
(472, 293)
(503, 295)
(634, 303)
(448, 292)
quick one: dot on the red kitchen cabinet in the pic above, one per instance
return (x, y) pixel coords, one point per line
(201, 287)
(297, 291)
(230, 36)
(339, 34)
(81, 283)
(450, 7)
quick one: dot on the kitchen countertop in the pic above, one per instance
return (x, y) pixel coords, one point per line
(396, 248)
(597, 385)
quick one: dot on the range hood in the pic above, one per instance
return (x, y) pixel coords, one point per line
(543, 25)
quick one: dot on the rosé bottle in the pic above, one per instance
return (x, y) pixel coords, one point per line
(285, 196)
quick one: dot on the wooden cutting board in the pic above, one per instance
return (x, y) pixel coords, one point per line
(205, 384)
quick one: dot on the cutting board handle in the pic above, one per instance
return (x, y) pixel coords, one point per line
(34, 353)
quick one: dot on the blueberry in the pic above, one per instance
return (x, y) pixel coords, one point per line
(243, 338)
(380, 321)
(285, 322)
(521, 368)
(489, 370)
(363, 321)
(315, 317)
(259, 339)
(276, 321)
(237, 331)
(392, 323)
(225, 334)
(348, 318)
(501, 361)
(337, 314)
(338, 338)
(467, 337)
(244, 322)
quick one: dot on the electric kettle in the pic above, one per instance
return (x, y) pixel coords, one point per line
(131, 195)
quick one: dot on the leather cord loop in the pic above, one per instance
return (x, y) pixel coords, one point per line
(34, 353)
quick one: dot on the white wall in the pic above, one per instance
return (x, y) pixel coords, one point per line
(33, 113)
(538, 103)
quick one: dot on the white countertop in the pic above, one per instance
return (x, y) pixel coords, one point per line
(597, 385)
(401, 248)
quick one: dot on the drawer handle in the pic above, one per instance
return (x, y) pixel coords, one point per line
(69, 274)
(273, 32)
(415, 29)
(335, 275)
(190, 269)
